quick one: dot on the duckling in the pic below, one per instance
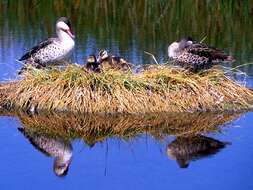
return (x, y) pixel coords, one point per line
(92, 64)
(196, 56)
(111, 61)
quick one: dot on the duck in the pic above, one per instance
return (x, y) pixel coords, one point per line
(110, 61)
(57, 148)
(52, 50)
(187, 149)
(196, 56)
(92, 64)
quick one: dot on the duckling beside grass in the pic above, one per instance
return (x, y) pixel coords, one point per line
(92, 64)
(108, 61)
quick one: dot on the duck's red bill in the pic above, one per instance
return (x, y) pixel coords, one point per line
(70, 33)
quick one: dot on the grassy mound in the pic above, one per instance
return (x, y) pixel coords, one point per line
(157, 89)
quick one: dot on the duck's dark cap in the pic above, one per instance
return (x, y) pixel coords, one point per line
(65, 20)
(187, 38)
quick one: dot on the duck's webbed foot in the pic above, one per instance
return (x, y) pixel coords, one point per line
(30, 63)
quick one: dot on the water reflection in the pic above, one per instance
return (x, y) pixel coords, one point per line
(52, 134)
(187, 149)
(57, 148)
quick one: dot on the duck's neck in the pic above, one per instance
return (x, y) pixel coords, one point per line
(64, 156)
(173, 50)
(64, 37)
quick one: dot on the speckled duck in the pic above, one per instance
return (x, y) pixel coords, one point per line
(52, 50)
(196, 56)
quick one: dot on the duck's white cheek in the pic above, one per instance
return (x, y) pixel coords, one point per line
(62, 25)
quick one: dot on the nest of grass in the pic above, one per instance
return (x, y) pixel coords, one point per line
(93, 128)
(156, 89)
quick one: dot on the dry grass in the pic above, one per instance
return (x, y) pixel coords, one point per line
(94, 128)
(157, 89)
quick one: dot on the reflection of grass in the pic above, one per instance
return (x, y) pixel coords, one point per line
(95, 128)
(157, 89)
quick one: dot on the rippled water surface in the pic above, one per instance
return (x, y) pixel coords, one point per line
(177, 151)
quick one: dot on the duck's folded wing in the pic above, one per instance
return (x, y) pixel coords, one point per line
(36, 48)
(209, 52)
(35, 140)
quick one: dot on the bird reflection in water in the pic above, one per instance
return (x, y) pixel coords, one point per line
(57, 148)
(187, 149)
(47, 132)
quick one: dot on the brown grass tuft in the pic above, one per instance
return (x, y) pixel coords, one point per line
(157, 89)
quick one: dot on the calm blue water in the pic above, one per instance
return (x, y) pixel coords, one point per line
(141, 163)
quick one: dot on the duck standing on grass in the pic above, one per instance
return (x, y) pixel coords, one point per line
(53, 50)
(196, 56)
(110, 61)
